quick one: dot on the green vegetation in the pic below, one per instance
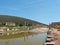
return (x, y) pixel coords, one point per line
(29, 25)
(18, 20)
(18, 23)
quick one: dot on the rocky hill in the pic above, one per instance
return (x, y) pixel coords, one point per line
(55, 25)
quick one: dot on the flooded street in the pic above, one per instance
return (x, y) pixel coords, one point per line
(25, 38)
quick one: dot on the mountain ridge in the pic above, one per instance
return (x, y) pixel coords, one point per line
(19, 20)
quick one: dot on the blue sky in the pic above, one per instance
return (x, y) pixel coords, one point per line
(44, 11)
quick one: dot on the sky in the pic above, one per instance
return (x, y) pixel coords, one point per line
(44, 11)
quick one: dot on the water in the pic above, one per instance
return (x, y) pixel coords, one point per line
(25, 38)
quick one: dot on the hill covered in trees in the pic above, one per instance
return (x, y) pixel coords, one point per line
(19, 20)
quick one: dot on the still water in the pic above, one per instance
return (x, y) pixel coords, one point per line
(25, 38)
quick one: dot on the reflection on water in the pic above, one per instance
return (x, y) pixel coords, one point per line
(25, 38)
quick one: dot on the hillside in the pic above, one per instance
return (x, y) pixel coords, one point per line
(55, 25)
(18, 20)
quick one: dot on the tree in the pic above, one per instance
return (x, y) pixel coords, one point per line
(29, 24)
(20, 24)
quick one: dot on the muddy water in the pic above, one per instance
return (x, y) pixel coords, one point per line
(25, 38)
